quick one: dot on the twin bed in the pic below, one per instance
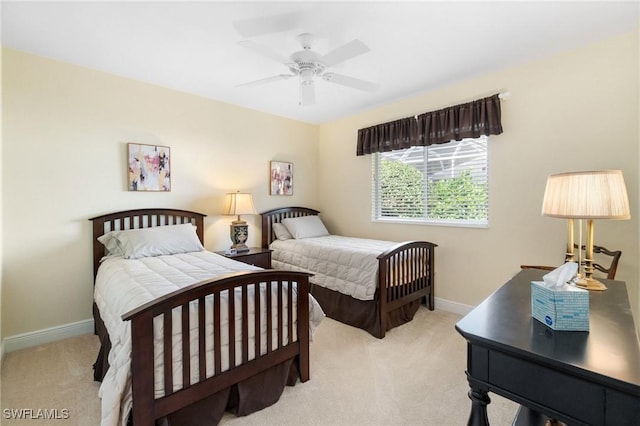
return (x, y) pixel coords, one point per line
(370, 284)
(160, 298)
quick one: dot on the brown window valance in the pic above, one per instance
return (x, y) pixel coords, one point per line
(470, 120)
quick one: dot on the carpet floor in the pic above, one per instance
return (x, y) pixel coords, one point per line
(414, 376)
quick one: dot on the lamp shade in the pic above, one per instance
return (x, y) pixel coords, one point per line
(237, 203)
(586, 195)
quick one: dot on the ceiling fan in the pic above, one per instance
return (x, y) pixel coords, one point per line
(307, 64)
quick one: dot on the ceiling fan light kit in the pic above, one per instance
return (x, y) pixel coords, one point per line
(307, 64)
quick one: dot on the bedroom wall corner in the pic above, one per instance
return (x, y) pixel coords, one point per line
(576, 110)
(66, 130)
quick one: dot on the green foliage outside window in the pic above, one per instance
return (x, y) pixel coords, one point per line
(457, 198)
(401, 189)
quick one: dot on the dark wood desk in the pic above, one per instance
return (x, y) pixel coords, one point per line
(580, 378)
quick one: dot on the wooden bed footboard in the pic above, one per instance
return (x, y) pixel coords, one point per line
(188, 305)
(405, 274)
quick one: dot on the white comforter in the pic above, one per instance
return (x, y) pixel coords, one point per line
(344, 264)
(122, 285)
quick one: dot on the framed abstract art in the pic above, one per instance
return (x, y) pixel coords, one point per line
(281, 178)
(149, 167)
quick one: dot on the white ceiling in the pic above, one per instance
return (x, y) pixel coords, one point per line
(415, 46)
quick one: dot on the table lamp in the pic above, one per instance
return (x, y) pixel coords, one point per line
(586, 195)
(236, 204)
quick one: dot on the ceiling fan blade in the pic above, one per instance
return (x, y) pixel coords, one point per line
(266, 80)
(307, 94)
(265, 51)
(355, 83)
(345, 52)
(268, 24)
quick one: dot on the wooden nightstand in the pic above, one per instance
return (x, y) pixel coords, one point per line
(256, 256)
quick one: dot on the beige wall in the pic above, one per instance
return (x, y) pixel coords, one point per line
(64, 161)
(1, 225)
(65, 131)
(574, 111)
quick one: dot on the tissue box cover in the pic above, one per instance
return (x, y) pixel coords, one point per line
(566, 309)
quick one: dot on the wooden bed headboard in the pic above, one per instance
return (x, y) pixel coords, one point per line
(276, 215)
(140, 218)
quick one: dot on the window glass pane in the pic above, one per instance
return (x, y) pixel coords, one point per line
(444, 183)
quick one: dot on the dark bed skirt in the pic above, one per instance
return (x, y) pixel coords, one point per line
(361, 313)
(251, 395)
(101, 365)
(242, 399)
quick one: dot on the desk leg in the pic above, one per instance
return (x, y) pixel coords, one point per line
(479, 400)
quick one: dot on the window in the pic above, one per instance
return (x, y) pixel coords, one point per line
(438, 184)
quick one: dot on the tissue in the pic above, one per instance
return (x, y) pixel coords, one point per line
(560, 276)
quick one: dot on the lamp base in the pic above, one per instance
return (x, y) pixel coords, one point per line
(591, 284)
(239, 248)
(239, 232)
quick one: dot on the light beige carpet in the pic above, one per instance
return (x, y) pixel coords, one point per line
(414, 376)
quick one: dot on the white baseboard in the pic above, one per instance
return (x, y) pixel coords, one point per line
(453, 307)
(47, 335)
(52, 334)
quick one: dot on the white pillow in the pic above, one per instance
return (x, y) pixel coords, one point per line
(281, 232)
(158, 241)
(110, 242)
(305, 227)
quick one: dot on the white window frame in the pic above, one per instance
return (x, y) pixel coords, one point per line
(468, 154)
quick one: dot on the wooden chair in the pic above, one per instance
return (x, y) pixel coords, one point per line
(610, 271)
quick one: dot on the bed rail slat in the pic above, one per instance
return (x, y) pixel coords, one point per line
(186, 349)
(168, 351)
(142, 364)
(280, 314)
(217, 345)
(202, 334)
(289, 313)
(232, 328)
(396, 269)
(245, 326)
(303, 332)
(257, 320)
(269, 310)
